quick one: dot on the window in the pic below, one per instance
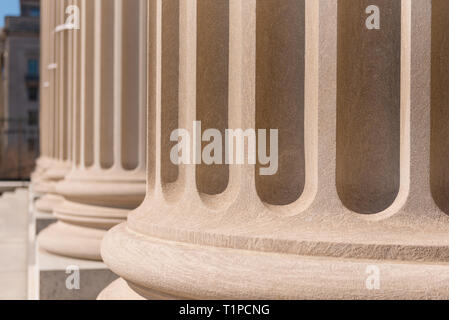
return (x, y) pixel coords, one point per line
(33, 93)
(33, 68)
(32, 117)
(34, 12)
(31, 145)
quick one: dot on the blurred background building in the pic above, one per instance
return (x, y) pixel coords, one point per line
(19, 92)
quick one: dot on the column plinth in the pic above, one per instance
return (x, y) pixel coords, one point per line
(42, 165)
(114, 188)
(119, 290)
(229, 273)
(45, 186)
(71, 240)
(57, 171)
(48, 202)
(92, 207)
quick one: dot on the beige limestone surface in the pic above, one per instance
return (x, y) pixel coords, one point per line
(361, 115)
(367, 195)
(13, 245)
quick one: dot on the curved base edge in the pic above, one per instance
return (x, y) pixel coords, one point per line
(89, 216)
(119, 290)
(43, 187)
(72, 241)
(103, 193)
(48, 202)
(58, 171)
(202, 272)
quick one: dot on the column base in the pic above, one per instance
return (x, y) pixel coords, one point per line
(80, 230)
(119, 290)
(42, 165)
(91, 216)
(72, 241)
(58, 171)
(43, 187)
(110, 194)
(47, 203)
(195, 271)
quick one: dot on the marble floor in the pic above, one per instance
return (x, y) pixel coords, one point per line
(13, 245)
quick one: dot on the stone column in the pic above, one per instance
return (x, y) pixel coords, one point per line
(44, 113)
(54, 112)
(354, 193)
(62, 116)
(46, 126)
(107, 178)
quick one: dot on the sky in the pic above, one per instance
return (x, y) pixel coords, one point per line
(8, 8)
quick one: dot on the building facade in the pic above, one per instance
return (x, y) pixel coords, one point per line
(20, 92)
(356, 89)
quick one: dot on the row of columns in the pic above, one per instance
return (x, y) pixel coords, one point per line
(354, 186)
(53, 163)
(96, 98)
(342, 199)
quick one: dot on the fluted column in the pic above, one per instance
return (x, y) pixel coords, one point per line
(354, 186)
(108, 172)
(62, 116)
(54, 162)
(44, 111)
